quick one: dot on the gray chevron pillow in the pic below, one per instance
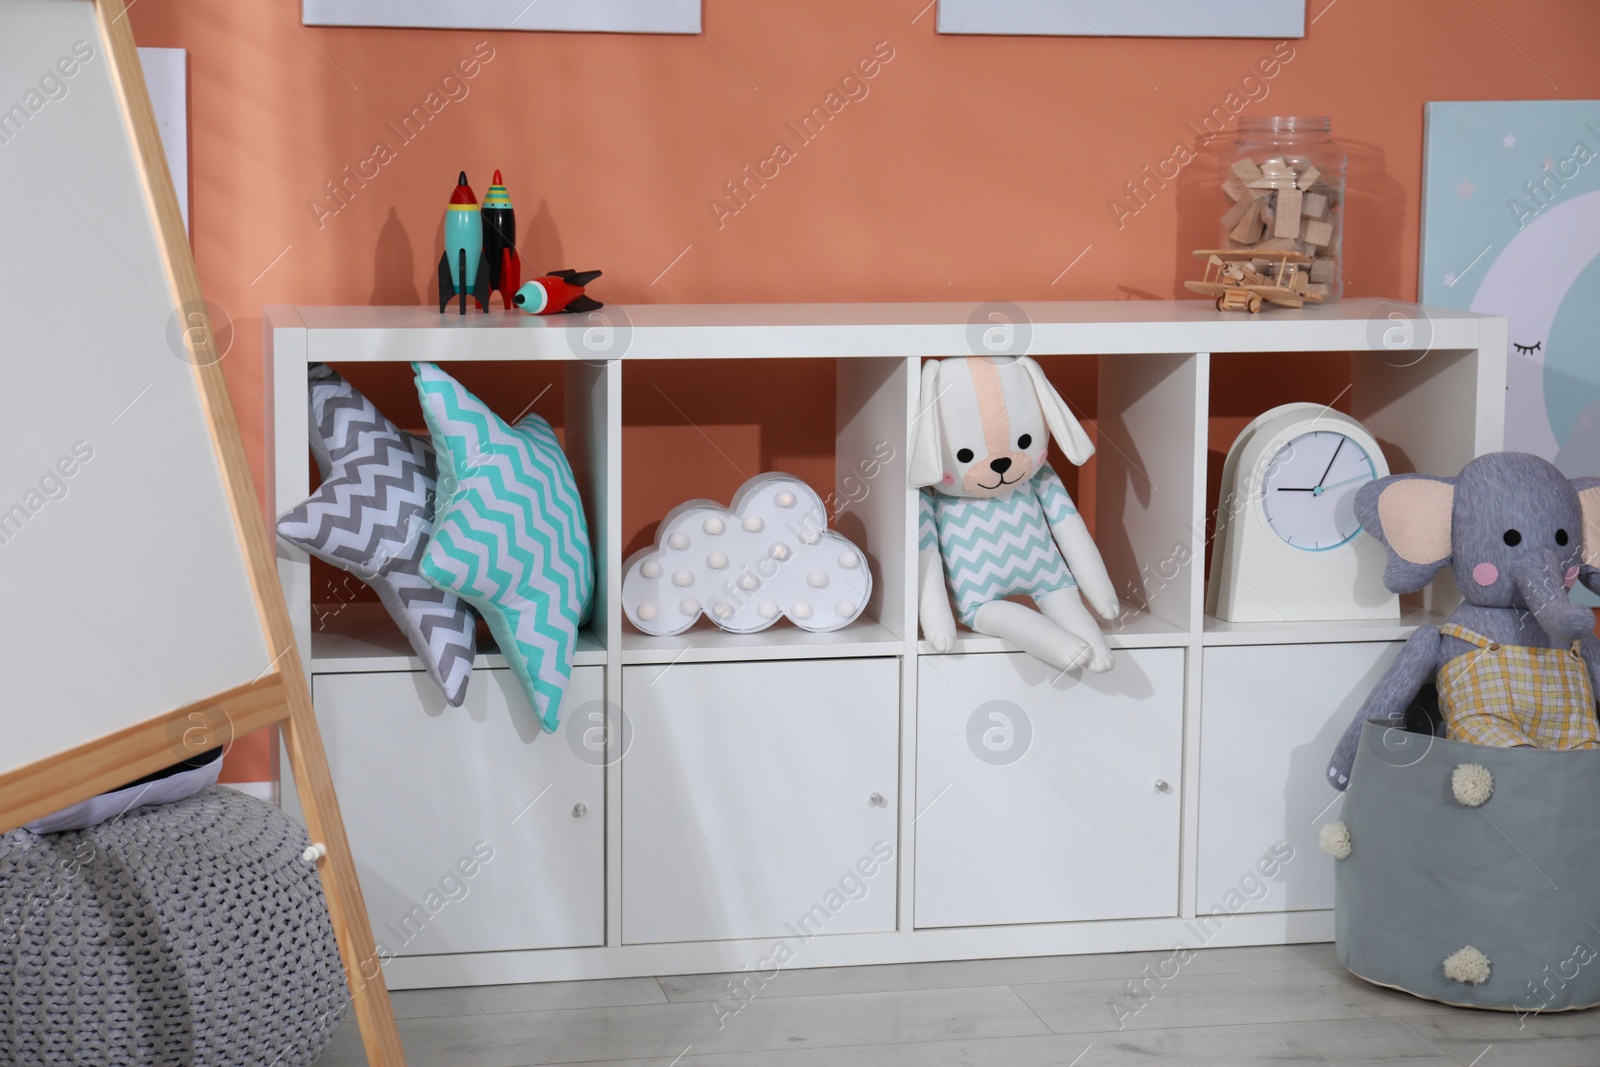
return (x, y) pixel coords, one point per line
(372, 516)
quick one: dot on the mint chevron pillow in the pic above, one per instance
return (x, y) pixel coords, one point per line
(509, 535)
(371, 516)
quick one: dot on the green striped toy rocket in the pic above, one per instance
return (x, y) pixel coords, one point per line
(500, 241)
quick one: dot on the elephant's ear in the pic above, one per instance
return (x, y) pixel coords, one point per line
(1410, 514)
(1589, 498)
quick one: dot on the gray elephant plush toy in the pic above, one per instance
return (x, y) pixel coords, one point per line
(1517, 664)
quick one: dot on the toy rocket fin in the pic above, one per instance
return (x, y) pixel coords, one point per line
(581, 304)
(447, 287)
(576, 277)
(480, 286)
(510, 275)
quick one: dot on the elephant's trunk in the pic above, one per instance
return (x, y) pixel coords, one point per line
(1542, 580)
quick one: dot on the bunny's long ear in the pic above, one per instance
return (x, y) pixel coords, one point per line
(926, 467)
(1064, 426)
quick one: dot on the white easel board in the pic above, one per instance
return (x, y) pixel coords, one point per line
(144, 622)
(127, 590)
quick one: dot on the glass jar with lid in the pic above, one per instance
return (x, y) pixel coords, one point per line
(1283, 185)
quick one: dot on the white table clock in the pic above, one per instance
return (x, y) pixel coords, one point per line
(1289, 547)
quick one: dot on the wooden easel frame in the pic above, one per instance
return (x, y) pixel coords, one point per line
(280, 694)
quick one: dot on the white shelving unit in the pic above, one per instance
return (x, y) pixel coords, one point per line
(754, 773)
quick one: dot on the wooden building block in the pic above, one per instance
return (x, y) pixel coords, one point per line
(1234, 188)
(1314, 205)
(1318, 233)
(1322, 269)
(1235, 213)
(1249, 227)
(1246, 170)
(1308, 177)
(1288, 220)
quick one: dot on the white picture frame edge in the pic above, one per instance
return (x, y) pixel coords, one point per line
(166, 77)
(1124, 18)
(571, 16)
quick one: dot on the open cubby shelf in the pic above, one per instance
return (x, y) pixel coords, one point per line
(770, 744)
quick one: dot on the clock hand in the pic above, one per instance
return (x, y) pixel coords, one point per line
(1331, 458)
(1320, 489)
(1347, 481)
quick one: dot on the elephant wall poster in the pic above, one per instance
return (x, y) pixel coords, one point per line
(1511, 226)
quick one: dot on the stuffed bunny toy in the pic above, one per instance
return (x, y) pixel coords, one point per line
(1517, 664)
(999, 517)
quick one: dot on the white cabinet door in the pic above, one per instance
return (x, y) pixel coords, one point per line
(1270, 717)
(430, 793)
(1037, 792)
(758, 799)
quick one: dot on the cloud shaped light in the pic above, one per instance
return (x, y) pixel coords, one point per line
(770, 555)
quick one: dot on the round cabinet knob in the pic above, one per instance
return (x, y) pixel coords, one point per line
(1162, 786)
(579, 810)
(877, 798)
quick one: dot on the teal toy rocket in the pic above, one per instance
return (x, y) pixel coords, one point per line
(463, 270)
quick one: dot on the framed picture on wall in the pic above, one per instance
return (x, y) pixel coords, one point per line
(1126, 18)
(612, 16)
(1511, 226)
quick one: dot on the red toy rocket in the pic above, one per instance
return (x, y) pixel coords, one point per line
(500, 241)
(560, 290)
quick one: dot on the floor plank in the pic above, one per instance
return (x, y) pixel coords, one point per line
(1559, 1039)
(1186, 1000)
(655, 1030)
(941, 1014)
(1258, 1045)
(818, 981)
(1374, 1043)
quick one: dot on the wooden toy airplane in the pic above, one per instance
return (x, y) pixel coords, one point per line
(1241, 279)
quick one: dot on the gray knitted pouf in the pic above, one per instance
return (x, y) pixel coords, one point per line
(186, 935)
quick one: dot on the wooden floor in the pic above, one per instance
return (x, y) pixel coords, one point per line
(1227, 1007)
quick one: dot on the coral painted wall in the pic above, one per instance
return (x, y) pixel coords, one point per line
(963, 168)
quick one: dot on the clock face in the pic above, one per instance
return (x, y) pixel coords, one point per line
(1308, 492)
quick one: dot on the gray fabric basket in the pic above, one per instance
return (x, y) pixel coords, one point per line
(185, 934)
(1517, 878)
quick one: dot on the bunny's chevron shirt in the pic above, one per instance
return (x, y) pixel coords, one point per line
(995, 547)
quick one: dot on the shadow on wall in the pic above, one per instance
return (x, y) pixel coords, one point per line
(393, 265)
(539, 245)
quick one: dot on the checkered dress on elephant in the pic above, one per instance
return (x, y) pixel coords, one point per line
(1509, 695)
